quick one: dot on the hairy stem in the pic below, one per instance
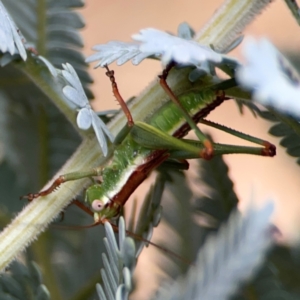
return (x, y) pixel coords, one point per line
(229, 21)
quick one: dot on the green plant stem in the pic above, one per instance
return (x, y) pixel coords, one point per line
(36, 216)
(229, 21)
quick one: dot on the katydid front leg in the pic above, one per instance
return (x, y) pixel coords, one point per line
(64, 178)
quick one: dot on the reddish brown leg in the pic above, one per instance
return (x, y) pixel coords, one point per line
(78, 204)
(110, 74)
(269, 150)
(207, 153)
(82, 206)
(63, 178)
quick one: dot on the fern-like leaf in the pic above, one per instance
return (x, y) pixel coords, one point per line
(53, 30)
(11, 39)
(22, 282)
(119, 264)
(286, 128)
(221, 198)
(150, 213)
(226, 259)
(37, 138)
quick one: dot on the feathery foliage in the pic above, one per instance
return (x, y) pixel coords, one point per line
(286, 128)
(118, 265)
(37, 38)
(225, 259)
(21, 282)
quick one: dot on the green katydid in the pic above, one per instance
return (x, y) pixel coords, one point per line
(142, 146)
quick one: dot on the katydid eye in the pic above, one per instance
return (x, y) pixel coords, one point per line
(97, 205)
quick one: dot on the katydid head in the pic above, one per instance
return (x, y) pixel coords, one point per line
(100, 204)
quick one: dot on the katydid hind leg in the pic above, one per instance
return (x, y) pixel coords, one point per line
(220, 149)
(268, 150)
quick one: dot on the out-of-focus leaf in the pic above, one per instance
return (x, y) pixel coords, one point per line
(286, 128)
(220, 198)
(20, 282)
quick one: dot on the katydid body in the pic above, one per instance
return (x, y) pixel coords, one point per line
(146, 146)
(142, 146)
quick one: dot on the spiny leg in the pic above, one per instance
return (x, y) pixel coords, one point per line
(150, 137)
(64, 178)
(208, 150)
(110, 74)
(268, 150)
(219, 149)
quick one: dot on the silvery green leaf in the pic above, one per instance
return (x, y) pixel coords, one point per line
(107, 286)
(111, 237)
(42, 293)
(127, 279)
(113, 50)
(72, 78)
(173, 48)
(100, 292)
(35, 272)
(271, 78)
(113, 258)
(117, 272)
(112, 280)
(227, 259)
(11, 39)
(99, 125)
(11, 286)
(48, 64)
(128, 253)
(184, 31)
(155, 43)
(147, 235)
(157, 216)
(141, 56)
(4, 296)
(86, 116)
(122, 293)
(122, 233)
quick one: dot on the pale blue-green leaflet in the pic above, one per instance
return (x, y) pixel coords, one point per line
(86, 117)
